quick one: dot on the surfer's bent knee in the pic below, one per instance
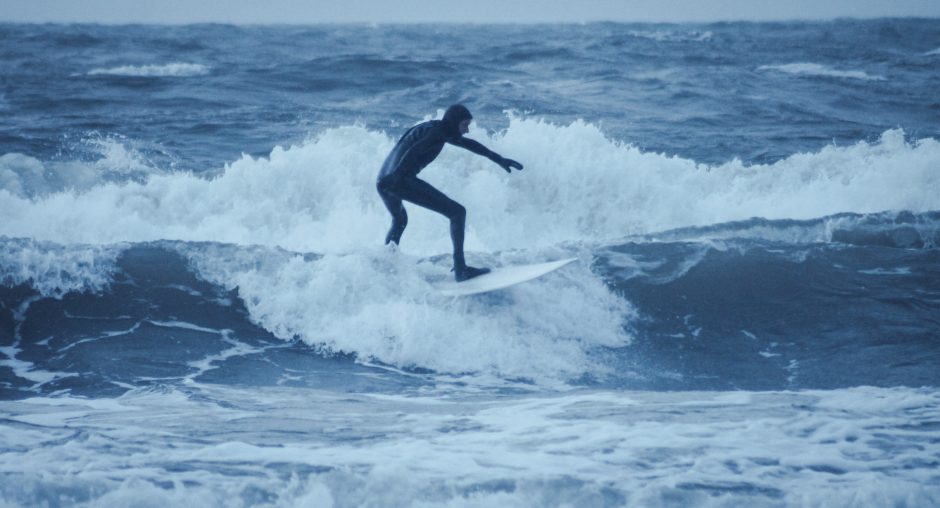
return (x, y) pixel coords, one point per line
(458, 212)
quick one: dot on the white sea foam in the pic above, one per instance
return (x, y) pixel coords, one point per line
(933, 52)
(814, 69)
(578, 186)
(28, 177)
(901, 270)
(860, 446)
(54, 270)
(381, 306)
(175, 69)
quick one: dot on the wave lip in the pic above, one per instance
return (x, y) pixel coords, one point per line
(175, 69)
(117, 160)
(54, 270)
(814, 69)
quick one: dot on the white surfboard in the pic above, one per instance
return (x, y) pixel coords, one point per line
(500, 278)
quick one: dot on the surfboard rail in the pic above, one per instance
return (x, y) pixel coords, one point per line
(501, 278)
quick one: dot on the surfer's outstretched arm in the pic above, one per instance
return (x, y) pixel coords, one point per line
(478, 148)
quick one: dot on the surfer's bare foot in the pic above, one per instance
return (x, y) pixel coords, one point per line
(468, 272)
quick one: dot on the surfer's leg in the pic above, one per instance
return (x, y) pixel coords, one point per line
(421, 193)
(425, 195)
(399, 216)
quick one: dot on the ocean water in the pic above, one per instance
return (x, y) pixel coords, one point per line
(196, 306)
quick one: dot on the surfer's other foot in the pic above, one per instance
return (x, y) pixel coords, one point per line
(469, 272)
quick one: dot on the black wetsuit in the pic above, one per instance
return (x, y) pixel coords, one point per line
(398, 180)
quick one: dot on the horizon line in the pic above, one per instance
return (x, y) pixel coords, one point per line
(470, 23)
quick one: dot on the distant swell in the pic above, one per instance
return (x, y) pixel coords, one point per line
(673, 36)
(165, 70)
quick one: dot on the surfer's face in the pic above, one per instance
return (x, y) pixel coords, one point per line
(464, 127)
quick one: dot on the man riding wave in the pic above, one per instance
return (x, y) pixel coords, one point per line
(398, 179)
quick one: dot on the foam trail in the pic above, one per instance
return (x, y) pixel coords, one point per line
(22, 368)
(28, 177)
(814, 69)
(176, 69)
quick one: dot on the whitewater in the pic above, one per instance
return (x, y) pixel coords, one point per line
(196, 305)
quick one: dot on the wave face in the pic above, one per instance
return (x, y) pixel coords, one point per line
(645, 313)
(196, 306)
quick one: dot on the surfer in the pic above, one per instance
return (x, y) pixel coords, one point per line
(398, 180)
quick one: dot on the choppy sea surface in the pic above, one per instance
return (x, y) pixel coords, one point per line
(196, 306)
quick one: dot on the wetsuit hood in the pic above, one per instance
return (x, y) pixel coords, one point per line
(453, 116)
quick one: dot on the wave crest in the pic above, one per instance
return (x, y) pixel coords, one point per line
(176, 69)
(578, 185)
(814, 69)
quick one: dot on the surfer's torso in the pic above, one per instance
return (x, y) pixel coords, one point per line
(421, 144)
(417, 148)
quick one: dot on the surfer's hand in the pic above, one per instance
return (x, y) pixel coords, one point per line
(509, 163)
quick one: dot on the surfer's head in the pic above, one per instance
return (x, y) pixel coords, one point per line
(457, 120)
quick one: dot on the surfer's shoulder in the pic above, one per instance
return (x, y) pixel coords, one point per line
(423, 130)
